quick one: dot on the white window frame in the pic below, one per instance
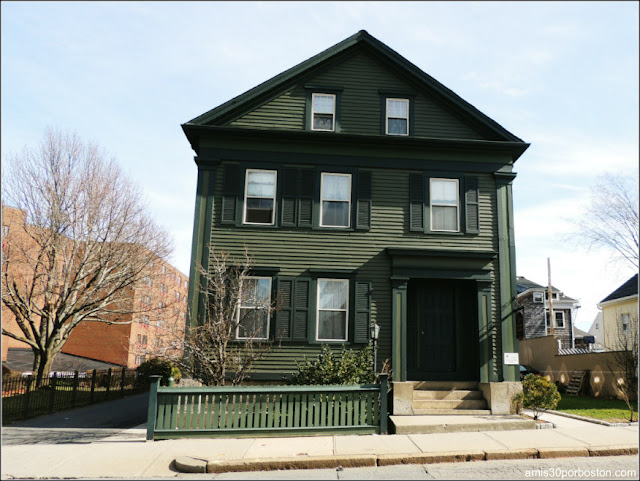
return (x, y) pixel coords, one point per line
(322, 199)
(346, 310)
(313, 111)
(387, 117)
(275, 193)
(538, 297)
(555, 320)
(240, 307)
(431, 204)
(622, 323)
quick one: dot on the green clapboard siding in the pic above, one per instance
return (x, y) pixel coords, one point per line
(295, 250)
(361, 77)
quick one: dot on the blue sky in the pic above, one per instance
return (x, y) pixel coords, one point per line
(560, 75)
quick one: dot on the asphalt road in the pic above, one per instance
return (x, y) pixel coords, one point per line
(82, 425)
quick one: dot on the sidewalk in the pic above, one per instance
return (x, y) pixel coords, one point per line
(128, 455)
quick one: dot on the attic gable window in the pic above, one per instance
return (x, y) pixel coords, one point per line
(397, 117)
(323, 112)
(538, 297)
(260, 197)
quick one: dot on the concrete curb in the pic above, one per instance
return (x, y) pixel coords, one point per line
(270, 464)
(590, 420)
(187, 464)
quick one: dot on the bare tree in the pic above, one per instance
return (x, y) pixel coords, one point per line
(612, 218)
(86, 241)
(625, 361)
(232, 330)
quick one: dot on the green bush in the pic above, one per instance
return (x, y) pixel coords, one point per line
(351, 366)
(158, 367)
(538, 394)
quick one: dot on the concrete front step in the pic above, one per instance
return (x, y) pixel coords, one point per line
(447, 424)
(449, 395)
(449, 404)
(445, 385)
(452, 412)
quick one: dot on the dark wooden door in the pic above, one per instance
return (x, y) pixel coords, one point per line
(442, 331)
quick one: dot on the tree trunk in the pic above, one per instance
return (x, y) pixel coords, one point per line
(42, 363)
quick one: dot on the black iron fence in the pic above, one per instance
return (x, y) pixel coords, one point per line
(21, 398)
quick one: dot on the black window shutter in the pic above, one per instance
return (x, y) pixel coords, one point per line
(363, 204)
(416, 202)
(362, 312)
(301, 308)
(305, 202)
(472, 206)
(290, 183)
(284, 312)
(230, 190)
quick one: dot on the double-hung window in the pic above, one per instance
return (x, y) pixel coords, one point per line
(335, 196)
(333, 310)
(397, 117)
(445, 205)
(559, 318)
(260, 197)
(254, 309)
(323, 112)
(624, 321)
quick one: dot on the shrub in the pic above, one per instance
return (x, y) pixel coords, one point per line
(351, 366)
(158, 367)
(538, 394)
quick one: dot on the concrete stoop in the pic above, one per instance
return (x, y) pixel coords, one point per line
(186, 464)
(433, 423)
(438, 398)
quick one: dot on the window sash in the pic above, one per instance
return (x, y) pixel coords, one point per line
(558, 315)
(393, 114)
(624, 321)
(342, 310)
(317, 111)
(246, 307)
(444, 205)
(263, 200)
(327, 199)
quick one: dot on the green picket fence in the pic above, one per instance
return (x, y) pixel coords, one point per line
(266, 410)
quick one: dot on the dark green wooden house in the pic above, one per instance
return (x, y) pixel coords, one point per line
(368, 194)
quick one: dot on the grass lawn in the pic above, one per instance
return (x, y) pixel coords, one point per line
(610, 410)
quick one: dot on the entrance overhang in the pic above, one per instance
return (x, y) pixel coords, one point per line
(420, 263)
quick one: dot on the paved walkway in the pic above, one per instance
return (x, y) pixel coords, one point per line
(128, 455)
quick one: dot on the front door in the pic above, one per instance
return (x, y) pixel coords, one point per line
(442, 339)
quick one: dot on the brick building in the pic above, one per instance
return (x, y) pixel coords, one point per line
(158, 305)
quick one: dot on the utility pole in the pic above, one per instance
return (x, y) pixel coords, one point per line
(550, 294)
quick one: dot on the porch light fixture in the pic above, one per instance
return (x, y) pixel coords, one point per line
(375, 331)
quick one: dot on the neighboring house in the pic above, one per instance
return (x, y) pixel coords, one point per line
(597, 331)
(125, 344)
(620, 315)
(533, 318)
(368, 194)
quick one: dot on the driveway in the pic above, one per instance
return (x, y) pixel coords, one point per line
(82, 425)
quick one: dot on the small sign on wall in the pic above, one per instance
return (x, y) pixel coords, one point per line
(511, 358)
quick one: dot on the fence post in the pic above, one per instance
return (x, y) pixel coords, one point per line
(93, 385)
(27, 397)
(383, 403)
(75, 389)
(52, 395)
(108, 383)
(124, 371)
(153, 403)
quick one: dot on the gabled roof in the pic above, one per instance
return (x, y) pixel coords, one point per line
(524, 284)
(278, 84)
(627, 289)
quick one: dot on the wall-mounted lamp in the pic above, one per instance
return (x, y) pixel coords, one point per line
(375, 332)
